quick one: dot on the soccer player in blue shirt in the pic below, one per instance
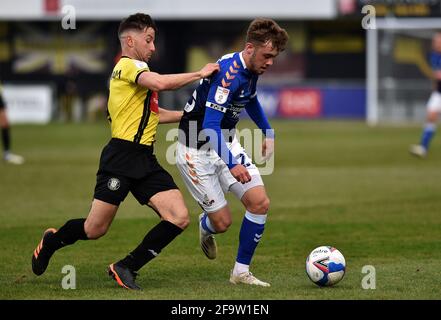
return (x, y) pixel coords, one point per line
(434, 103)
(210, 157)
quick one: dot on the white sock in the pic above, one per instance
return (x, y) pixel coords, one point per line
(240, 268)
(206, 224)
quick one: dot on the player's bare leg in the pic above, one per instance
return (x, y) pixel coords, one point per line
(100, 218)
(171, 207)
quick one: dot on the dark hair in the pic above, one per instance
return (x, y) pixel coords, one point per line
(262, 30)
(137, 21)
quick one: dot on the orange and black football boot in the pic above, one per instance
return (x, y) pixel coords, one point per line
(42, 255)
(123, 276)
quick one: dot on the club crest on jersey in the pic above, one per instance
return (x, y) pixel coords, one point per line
(140, 64)
(207, 201)
(221, 95)
(113, 184)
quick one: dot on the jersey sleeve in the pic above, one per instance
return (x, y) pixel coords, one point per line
(212, 130)
(222, 88)
(132, 69)
(435, 61)
(256, 113)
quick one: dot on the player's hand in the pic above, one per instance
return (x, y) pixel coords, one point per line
(240, 173)
(209, 69)
(267, 148)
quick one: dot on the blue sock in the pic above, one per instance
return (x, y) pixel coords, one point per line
(250, 234)
(428, 133)
(206, 225)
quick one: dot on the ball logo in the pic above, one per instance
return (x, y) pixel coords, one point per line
(320, 251)
(113, 184)
(325, 266)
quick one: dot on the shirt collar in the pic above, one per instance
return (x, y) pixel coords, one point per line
(242, 60)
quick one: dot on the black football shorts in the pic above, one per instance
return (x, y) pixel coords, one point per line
(2, 102)
(113, 189)
(128, 167)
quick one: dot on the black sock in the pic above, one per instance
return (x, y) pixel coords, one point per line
(72, 231)
(155, 240)
(6, 139)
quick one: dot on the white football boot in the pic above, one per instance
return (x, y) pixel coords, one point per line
(13, 158)
(247, 278)
(418, 150)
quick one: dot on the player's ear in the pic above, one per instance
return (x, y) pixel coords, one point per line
(249, 48)
(130, 41)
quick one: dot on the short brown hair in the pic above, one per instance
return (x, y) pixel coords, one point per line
(137, 21)
(262, 30)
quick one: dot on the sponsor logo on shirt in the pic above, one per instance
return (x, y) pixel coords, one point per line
(221, 95)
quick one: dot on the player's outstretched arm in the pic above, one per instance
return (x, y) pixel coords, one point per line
(160, 82)
(168, 116)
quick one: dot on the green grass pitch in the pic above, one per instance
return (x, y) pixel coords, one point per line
(335, 183)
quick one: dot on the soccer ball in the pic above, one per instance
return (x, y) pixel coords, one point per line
(325, 266)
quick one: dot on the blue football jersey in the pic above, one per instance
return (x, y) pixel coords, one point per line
(228, 91)
(435, 60)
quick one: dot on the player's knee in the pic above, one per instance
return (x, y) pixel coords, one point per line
(95, 231)
(432, 117)
(222, 225)
(183, 222)
(180, 218)
(95, 234)
(260, 206)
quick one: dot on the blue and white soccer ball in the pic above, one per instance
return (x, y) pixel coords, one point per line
(325, 266)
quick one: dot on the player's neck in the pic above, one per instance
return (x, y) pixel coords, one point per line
(127, 53)
(130, 54)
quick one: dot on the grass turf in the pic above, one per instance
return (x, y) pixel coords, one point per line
(335, 183)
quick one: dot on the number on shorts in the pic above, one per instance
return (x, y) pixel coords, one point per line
(242, 157)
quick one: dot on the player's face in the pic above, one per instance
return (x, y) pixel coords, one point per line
(262, 57)
(144, 44)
